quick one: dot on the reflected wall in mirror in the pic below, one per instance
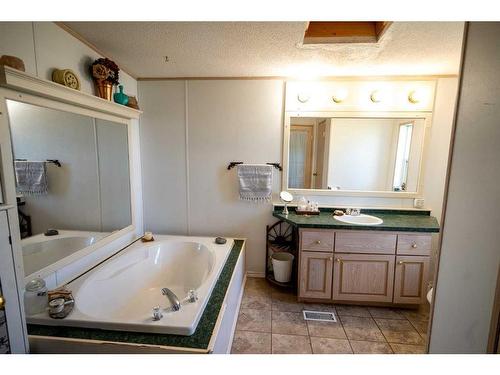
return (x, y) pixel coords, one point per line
(85, 198)
(355, 154)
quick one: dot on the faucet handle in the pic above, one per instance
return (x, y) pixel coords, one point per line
(192, 296)
(157, 315)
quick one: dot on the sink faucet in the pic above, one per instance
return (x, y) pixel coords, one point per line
(174, 300)
(353, 211)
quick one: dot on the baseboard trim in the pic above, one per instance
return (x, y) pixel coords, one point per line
(255, 274)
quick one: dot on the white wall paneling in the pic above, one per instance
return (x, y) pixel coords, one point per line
(163, 156)
(224, 121)
(17, 39)
(232, 121)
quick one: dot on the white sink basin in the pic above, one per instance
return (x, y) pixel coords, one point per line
(361, 219)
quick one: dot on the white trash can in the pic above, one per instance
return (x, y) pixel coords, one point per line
(282, 266)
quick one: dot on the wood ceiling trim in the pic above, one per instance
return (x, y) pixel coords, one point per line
(320, 32)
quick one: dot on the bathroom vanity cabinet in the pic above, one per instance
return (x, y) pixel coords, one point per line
(383, 264)
(363, 266)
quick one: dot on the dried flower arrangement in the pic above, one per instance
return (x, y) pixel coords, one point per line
(105, 74)
(104, 69)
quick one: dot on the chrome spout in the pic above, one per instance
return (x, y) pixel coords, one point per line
(174, 300)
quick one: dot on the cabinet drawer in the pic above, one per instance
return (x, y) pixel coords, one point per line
(365, 242)
(317, 240)
(414, 244)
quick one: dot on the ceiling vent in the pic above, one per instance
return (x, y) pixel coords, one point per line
(345, 32)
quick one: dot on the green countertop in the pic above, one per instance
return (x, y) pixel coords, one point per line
(401, 221)
(198, 340)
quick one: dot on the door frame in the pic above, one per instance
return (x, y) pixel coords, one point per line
(494, 336)
(12, 274)
(309, 152)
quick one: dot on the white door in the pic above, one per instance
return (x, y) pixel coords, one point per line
(321, 148)
(12, 312)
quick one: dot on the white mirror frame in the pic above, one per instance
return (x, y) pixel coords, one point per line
(50, 96)
(426, 116)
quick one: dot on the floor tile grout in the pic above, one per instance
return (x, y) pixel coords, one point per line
(275, 307)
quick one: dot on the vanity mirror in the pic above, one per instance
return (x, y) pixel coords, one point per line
(354, 154)
(72, 176)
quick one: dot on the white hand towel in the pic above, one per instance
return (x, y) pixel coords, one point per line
(256, 182)
(31, 177)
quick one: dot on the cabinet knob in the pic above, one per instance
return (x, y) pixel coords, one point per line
(318, 242)
(338, 260)
(331, 258)
(414, 245)
(401, 262)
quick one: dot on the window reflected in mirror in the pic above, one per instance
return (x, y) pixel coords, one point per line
(402, 157)
(72, 181)
(355, 154)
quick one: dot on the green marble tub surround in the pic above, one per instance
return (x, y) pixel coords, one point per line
(394, 220)
(200, 339)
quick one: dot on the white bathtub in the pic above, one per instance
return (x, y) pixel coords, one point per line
(121, 293)
(40, 251)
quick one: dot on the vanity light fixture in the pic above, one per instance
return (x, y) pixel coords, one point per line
(415, 96)
(303, 97)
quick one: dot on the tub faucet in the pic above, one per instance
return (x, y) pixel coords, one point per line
(174, 300)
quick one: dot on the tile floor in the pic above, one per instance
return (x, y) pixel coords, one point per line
(271, 321)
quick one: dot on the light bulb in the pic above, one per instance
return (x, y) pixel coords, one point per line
(415, 96)
(377, 96)
(339, 96)
(303, 97)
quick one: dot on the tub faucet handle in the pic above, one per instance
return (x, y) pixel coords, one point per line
(355, 211)
(192, 296)
(157, 315)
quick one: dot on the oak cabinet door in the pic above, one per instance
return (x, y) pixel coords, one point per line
(363, 277)
(315, 275)
(410, 279)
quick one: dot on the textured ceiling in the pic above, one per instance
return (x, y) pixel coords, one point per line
(234, 49)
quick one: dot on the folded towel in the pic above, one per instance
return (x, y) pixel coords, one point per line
(31, 177)
(256, 182)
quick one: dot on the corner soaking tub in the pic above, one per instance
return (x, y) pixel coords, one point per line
(120, 294)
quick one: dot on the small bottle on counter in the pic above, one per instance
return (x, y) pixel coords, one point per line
(302, 205)
(35, 297)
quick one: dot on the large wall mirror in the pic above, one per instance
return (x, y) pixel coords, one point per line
(72, 181)
(354, 155)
